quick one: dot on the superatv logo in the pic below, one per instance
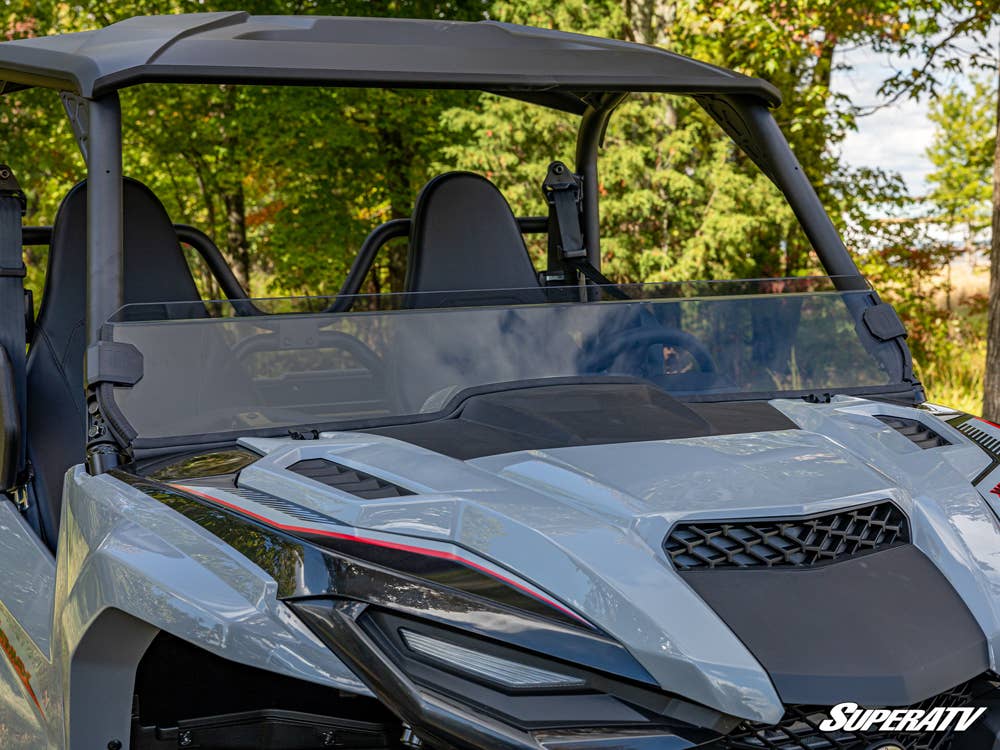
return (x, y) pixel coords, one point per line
(850, 717)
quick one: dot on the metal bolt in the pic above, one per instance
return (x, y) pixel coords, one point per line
(115, 745)
(329, 738)
(185, 738)
(409, 739)
(558, 168)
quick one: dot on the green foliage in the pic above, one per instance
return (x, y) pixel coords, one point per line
(962, 155)
(289, 181)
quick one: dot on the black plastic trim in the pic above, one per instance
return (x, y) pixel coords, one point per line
(886, 629)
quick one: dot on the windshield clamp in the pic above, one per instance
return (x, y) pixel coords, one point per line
(883, 322)
(113, 362)
(563, 192)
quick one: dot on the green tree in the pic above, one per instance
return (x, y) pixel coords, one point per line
(962, 155)
(950, 37)
(678, 199)
(287, 181)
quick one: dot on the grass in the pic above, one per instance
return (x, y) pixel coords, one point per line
(953, 361)
(956, 381)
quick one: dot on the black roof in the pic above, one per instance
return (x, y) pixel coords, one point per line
(554, 68)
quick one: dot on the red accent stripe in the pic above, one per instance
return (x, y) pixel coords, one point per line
(451, 556)
(992, 424)
(19, 669)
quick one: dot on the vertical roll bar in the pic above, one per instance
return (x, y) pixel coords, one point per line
(588, 143)
(102, 146)
(105, 256)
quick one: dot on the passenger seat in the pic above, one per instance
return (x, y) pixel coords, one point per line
(465, 238)
(155, 271)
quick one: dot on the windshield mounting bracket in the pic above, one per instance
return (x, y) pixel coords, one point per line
(563, 192)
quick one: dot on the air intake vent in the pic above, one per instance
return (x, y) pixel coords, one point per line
(985, 441)
(798, 542)
(285, 506)
(914, 430)
(346, 479)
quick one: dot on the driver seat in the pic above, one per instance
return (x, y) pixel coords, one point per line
(155, 271)
(464, 239)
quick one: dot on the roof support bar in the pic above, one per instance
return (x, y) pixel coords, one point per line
(749, 122)
(105, 263)
(105, 256)
(588, 142)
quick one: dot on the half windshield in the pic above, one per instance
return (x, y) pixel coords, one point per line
(266, 367)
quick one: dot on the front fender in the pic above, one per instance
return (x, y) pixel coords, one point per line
(128, 567)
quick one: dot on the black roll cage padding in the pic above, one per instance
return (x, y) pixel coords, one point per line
(589, 139)
(391, 230)
(195, 238)
(213, 258)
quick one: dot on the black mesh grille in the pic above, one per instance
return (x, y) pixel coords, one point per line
(799, 729)
(347, 479)
(914, 430)
(795, 542)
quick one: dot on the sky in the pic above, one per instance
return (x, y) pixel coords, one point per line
(894, 138)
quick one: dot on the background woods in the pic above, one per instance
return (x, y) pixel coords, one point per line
(289, 181)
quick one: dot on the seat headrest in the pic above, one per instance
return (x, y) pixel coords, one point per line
(464, 236)
(155, 271)
(155, 267)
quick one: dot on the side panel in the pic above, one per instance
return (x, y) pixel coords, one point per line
(29, 696)
(951, 523)
(128, 567)
(103, 678)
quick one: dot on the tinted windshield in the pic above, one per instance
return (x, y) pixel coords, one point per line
(211, 368)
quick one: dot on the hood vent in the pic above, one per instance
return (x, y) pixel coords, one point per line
(795, 542)
(915, 431)
(287, 507)
(346, 479)
(982, 438)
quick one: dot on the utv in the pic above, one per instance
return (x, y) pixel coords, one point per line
(510, 508)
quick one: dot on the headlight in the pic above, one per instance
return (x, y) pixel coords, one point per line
(509, 674)
(470, 691)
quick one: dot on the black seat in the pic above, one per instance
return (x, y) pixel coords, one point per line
(464, 237)
(466, 250)
(155, 271)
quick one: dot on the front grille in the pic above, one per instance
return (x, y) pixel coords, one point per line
(799, 729)
(795, 542)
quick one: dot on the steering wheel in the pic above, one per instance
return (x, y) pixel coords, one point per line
(632, 347)
(363, 354)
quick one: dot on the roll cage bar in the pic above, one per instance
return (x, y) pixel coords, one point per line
(580, 76)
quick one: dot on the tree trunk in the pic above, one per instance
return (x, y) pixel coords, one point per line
(237, 249)
(991, 381)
